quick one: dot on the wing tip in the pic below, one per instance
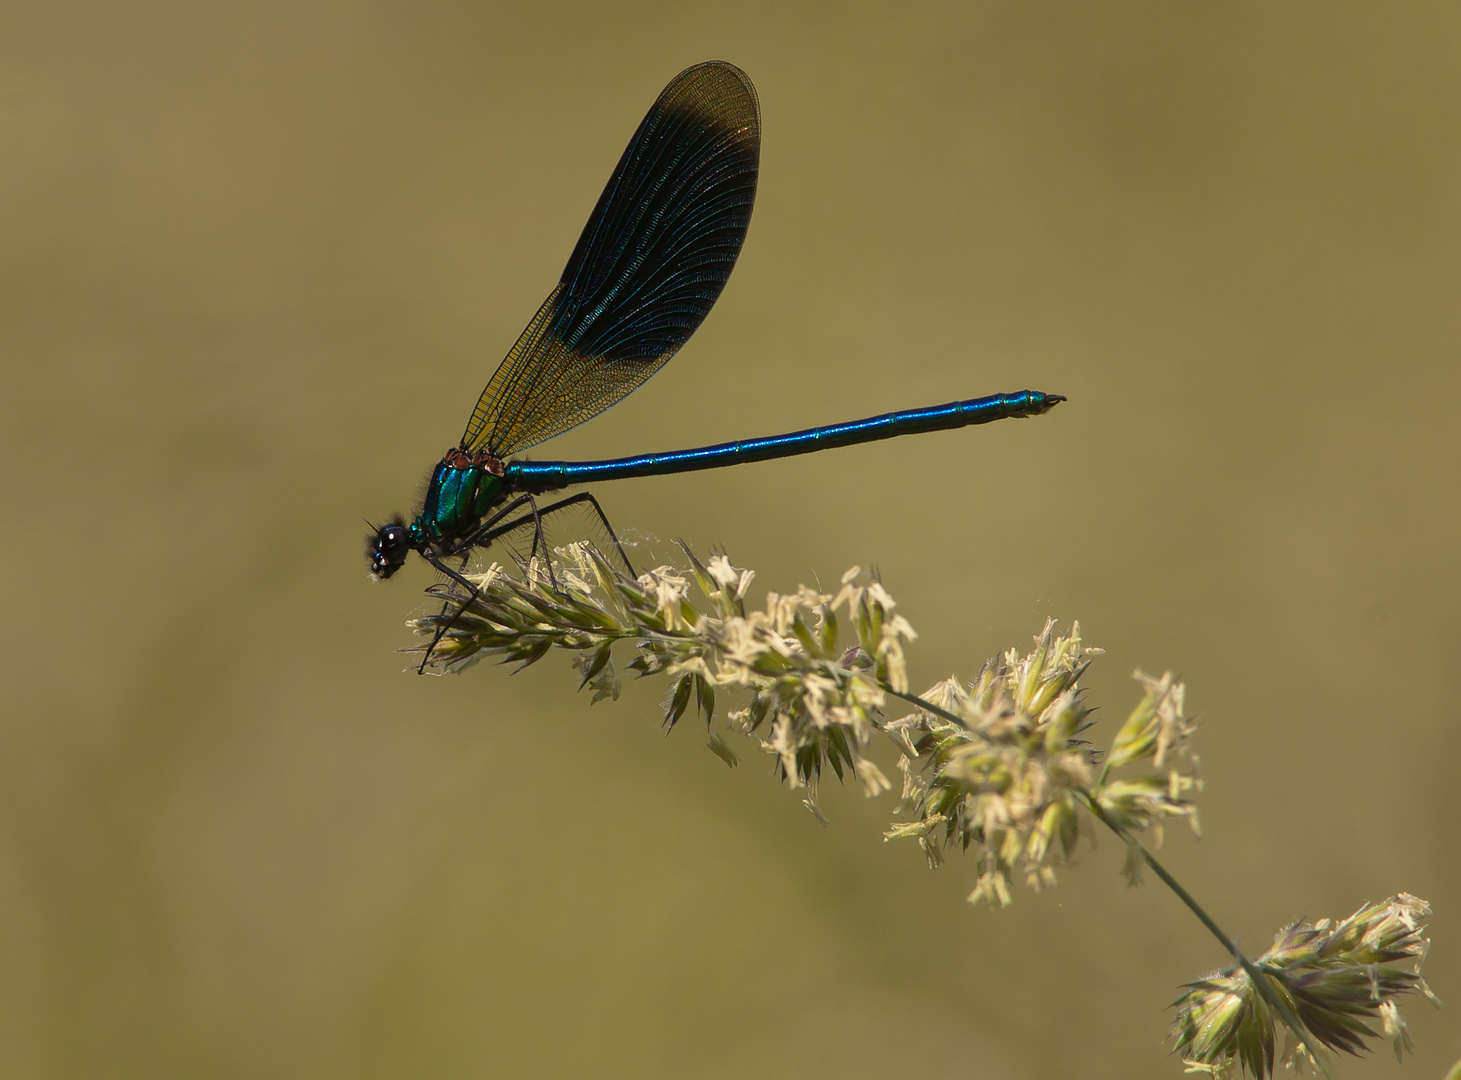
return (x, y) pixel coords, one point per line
(708, 79)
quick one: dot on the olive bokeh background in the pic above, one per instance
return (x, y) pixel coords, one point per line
(258, 260)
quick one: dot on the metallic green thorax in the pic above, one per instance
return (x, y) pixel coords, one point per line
(457, 500)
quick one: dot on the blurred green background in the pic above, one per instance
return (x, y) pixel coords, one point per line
(258, 260)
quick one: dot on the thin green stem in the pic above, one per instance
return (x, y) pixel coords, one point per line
(1161, 872)
(1257, 977)
(927, 706)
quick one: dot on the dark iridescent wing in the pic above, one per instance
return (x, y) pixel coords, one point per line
(652, 260)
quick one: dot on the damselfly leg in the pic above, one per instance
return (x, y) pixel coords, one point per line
(494, 529)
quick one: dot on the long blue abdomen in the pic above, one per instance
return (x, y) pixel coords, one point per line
(548, 475)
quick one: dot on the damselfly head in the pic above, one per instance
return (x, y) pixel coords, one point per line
(388, 548)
